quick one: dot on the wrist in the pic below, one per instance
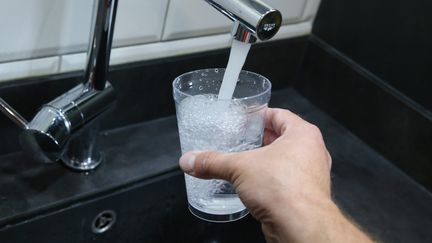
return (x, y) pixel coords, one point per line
(312, 212)
(290, 217)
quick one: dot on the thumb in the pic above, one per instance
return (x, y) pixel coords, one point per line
(209, 165)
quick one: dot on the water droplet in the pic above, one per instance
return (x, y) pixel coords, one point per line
(200, 87)
(216, 70)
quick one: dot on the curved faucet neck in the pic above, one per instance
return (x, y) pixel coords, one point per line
(100, 45)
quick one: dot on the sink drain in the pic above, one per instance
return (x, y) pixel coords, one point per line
(103, 221)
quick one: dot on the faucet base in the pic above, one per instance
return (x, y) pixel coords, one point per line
(86, 164)
(81, 152)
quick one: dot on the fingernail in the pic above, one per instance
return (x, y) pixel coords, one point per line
(187, 162)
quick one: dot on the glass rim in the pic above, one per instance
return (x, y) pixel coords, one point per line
(242, 71)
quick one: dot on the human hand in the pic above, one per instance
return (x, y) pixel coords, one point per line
(285, 184)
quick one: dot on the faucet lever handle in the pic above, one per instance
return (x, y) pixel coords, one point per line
(13, 115)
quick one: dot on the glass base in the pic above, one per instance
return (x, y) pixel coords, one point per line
(218, 218)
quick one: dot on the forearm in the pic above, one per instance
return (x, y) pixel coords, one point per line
(313, 222)
(335, 227)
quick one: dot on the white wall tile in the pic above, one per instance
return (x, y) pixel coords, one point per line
(311, 9)
(293, 30)
(190, 18)
(73, 62)
(195, 45)
(165, 49)
(292, 10)
(37, 28)
(28, 68)
(139, 21)
(169, 48)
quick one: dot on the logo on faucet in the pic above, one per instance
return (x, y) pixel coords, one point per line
(269, 27)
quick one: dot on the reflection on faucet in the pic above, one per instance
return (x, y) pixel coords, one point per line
(66, 128)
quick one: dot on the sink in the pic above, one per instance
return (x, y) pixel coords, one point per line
(139, 195)
(154, 210)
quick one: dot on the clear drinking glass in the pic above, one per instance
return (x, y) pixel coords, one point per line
(206, 123)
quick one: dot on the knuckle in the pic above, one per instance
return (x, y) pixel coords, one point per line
(314, 131)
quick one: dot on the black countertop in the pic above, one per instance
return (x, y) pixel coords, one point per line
(378, 196)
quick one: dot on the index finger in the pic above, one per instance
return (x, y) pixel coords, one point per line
(279, 120)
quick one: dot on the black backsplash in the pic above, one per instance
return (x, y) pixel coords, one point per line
(392, 39)
(144, 89)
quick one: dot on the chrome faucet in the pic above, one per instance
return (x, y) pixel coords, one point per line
(66, 128)
(253, 19)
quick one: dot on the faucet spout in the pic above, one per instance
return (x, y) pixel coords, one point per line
(253, 19)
